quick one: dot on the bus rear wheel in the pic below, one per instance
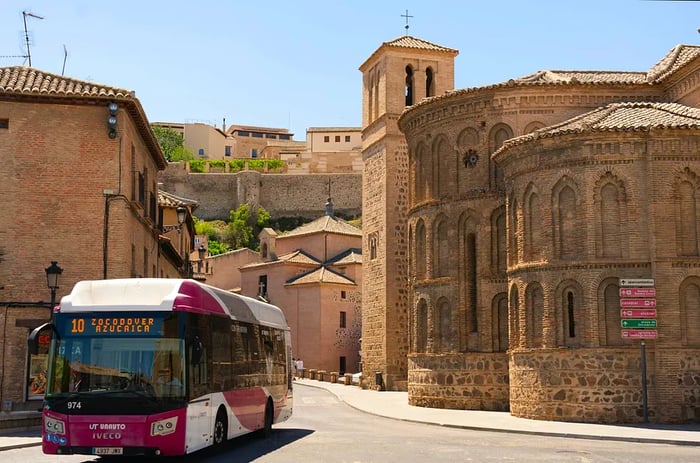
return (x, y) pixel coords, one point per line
(220, 428)
(269, 417)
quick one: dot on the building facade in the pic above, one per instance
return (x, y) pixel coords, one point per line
(530, 204)
(314, 274)
(78, 179)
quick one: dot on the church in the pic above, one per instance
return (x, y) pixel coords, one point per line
(533, 246)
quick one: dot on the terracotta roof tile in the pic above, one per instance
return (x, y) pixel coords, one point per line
(320, 275)
(327, 224)
(169, 199)
(25, 80)
(678, 57)
(408, 41)
(351, 256)
(621, 117)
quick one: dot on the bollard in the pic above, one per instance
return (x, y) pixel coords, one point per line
(348, 379)
(334, 376)
(378, 381)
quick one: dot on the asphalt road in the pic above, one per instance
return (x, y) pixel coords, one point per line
(323, 429)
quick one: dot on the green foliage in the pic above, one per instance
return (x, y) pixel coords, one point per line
(260, 165)
(197, 166)
(236, 164)
(216, 248)
(263, 219)
(217, 163)
(240, 230)
(171, 143)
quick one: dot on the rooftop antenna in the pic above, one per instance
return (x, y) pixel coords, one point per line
(406, 16)
(65, 56)
(26, 33)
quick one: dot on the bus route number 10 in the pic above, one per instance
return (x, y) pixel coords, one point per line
(77, 325)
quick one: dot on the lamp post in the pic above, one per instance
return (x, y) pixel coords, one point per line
(181, 217)
(53, 271)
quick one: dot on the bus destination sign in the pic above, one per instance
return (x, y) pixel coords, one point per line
(115, 325)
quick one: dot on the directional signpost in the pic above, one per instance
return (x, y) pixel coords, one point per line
(638, 320)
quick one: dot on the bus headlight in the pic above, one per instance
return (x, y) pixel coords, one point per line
(164, 427)
(54, 426)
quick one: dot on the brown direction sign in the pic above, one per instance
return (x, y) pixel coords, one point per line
(638, 313)
(639, 334)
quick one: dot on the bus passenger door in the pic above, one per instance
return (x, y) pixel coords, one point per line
(199, 427)
(199, 410)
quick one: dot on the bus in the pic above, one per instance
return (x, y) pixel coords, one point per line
(151, 366)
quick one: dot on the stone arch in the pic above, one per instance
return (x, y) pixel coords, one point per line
(499, 323)
(532, 126)
(441, 247)
(567, 225)
(570, 315)
(409, 89)
(443, 326)
(689, 303)
(468, 273)
(610, 331)
(532, 226)
(497, 136)
(534, 301)
(610, 199)
(687, 215)
(498, 241)
(467, 138)
(514, 332)
(429, 82)
(423, 173)
(420, 250)
(445, 168)
(513, 232)
(421, 326)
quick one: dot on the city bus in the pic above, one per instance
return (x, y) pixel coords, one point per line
(150, 366)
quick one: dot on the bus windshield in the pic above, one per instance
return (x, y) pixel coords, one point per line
(119, 355)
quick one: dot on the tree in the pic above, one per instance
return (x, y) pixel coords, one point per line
(172, 144)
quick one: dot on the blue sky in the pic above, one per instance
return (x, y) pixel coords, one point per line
(294, 64)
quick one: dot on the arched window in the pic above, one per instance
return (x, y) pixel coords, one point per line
(409, 86)
(445, 175)
(263, 251)
(533, 226)
(610, 221)
(514, 318)
(443, 326)
(690, 312)
(442, 250)
(567, 229)
(423, 174)
(499, 314)
(688, 219)
(498, 239)
(421, 335)
(420, 251)
(609, 309)
(513, 231)
(429, 83)
(535, 310)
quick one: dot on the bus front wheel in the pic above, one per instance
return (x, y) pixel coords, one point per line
(220, 428)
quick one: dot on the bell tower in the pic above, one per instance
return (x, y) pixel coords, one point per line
(397, 75)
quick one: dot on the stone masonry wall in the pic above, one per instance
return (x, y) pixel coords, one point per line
(283, 195)
(463, 381)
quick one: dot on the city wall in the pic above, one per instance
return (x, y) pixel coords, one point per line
(283, 195)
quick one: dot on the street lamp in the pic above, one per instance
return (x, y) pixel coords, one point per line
(53, 271)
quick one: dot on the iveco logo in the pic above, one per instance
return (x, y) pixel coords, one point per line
(106, 435)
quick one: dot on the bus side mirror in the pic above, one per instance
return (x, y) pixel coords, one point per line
(196, 356)
(35, 337)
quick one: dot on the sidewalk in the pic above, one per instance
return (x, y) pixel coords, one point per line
(395, 405)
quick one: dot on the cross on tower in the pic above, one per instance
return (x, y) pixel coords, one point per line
(406, 16)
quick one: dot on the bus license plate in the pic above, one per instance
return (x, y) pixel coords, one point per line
(108, 451)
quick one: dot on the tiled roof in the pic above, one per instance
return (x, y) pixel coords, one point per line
(325, 224)
(320, 275)
(583, 77)
(169, 199)
(619, 117)
(351, 256)
(678, 57)
(296, 257)
(407, 41)
(26, 80)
